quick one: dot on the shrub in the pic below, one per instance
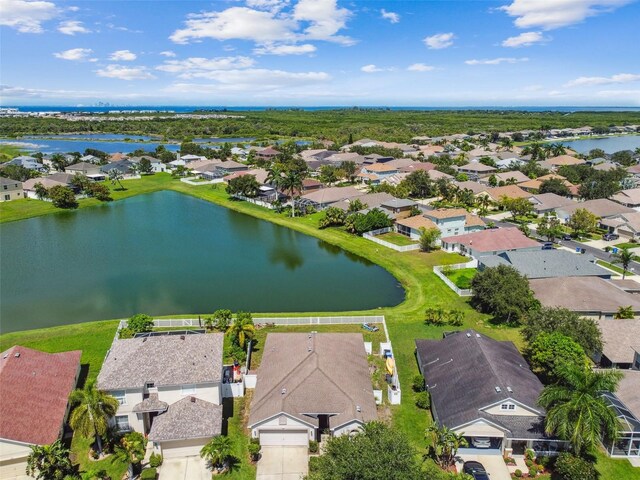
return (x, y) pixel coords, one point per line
(528, 463)
(422, 400)
(540, 468)
(148, 474)
(570, 467)
(254, 448)
(126, 333)
(530, 454)
(313, 464)
(155, 460)
(418, 383)
(533, 471)
(313, 446)
(518, 473)
(545, 461)
(140, 323)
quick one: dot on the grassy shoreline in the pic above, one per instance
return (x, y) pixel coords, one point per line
(405, 322)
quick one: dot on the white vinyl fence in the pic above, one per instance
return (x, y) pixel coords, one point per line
(398, 248)
(440, 269)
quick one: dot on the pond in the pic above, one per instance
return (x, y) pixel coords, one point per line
(608, 144)
(166, 253)
(77, 144)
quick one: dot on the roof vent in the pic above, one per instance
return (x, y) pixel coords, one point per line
(468, 335)
(478, 335)
(358, 408)
(17, 354)
(498, 389)
(182, 337)
(193, 399)
(284, 390)
(509, 389)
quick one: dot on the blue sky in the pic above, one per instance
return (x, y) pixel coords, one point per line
(320, 52)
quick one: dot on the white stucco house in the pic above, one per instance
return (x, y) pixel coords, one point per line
(308, 384)
(169, 388)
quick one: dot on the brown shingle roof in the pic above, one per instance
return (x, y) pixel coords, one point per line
(34, 391)
(564, 160)
(509, 191)
(441, 213)
(417, 222)
(619, 338)
(314, 373)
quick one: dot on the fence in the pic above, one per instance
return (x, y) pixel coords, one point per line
(199, 322)
(398, 248)
(438, 270)
(262, 203)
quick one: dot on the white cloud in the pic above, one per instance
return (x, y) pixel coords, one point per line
(123, 56)
(168, 53)
(525, 39)
(496, 61)
(71, 27)
(308, 20)
(111, 26)
(371, 68)
(614, 79)
(74, 54)
(272, 49)
(125, 72)
(73, 9)
(271, 5)
(439, 40)
(250, 81)
(190, 67)
(550, 14)
(391, 16)
(420, 67)
(26, 16)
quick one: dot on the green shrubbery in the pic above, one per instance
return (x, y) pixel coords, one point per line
(155, 460)
(570, 467)
(148, 474)
(423, 400)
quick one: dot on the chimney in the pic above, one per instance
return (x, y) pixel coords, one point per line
(193, 399)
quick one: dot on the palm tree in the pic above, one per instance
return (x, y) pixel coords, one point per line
(558, 149)
(217, 451)
(49, 462)
(292, 183)
(624, 257)
(625, 312)
(506, 143)
(444, 444)
(116, 177)
(274, 175)
(576, 410)
(132, 450)
(92, 410)
(242, 329)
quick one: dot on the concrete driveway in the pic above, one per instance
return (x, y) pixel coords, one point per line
(493, 464)
(283, 463)
(186, 468)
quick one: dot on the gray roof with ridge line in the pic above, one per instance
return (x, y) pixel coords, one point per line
(188, 418)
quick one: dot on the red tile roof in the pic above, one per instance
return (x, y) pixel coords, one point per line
(492, 240)
(34, 390)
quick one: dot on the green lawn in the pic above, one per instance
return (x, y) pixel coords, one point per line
(627, 245)
(462, 278)
(405, 322)
(7, 152)
(80, 455)
(396, 239)
(615, 469)
(613, 267)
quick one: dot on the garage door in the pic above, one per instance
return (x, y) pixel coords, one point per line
(284, 438)
(182, 448)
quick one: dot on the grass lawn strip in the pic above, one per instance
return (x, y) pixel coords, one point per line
(462, 278)
(396, 239)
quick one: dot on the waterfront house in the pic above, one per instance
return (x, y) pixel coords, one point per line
(309, 384)
(57, 179)
(34, 392)
(84, 168)
(30, 163)
(123, 166)
(156, 164)
(325, 197)
(450, 221)
(116, 157)
(492, 241)
(484, 390)
(169, 387)
(370, 200)
(10, 189)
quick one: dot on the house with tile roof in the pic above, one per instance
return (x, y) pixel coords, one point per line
(169, 388)
(308, 384)
(34, 393)
(484, 390)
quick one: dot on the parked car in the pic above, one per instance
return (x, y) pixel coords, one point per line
(566, 236)
(547, 246)
(476, 470)
(610, 236)
(481, 442)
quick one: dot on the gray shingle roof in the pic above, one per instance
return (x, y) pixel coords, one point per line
(463, 371)
(620, 338)
(548, 264)
(151, 404)
(164, 360)
(188, 418)
(314, 373)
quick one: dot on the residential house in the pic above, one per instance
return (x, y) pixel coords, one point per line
(376, 172)
(10, 189)
(625, 224)
(496, 194)
(492, 241)
(415, 166)
(510, 162)
(371, 200)
(448, 221)
(308, 384)
(57, 179)
(169, 387)
(156, 164)
(84, 168)
(587, 296)
(260, 173)
(484, 390)
(34, 394)
(123, 166)
(475, 187)
(116, 157)
(267, 154)
(476, 170)
(398, 207)
(373, 158)
(324, 197)
(629, 198)
(621, 344)
(191, 158)
(534, 185)
(626, 403)
(562, 160)
(548, 202)
(547, 264)
(513, 177)
(601, 208)
(30, 163)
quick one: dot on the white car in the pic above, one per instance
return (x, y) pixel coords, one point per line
(481, 442)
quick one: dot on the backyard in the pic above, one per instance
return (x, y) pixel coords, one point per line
(461, 278)
(396, 239)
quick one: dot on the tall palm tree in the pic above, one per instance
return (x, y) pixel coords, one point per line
(484, 202)
(274, 174)
(506, 143)
(292, 183)
(116, 177)
(443, 444)
(558, 149)
(132, 449)
(49, 462)
(576, 410)
(92, 410)
(624, 257)
(242, 329)
(217, 451)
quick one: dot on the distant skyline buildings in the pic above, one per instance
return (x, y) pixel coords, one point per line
(320, 52)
